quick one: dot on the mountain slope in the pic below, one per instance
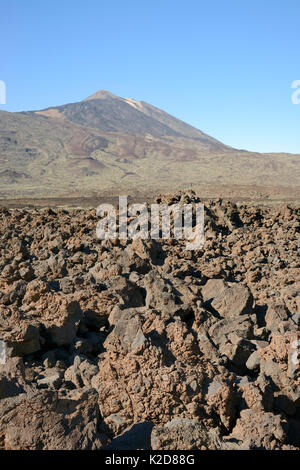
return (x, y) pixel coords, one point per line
(110, 113)
(111, 145)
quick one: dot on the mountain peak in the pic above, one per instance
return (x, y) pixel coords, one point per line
(100, 95)
(110, 113)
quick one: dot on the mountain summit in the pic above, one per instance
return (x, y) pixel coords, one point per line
(109, 113)
(99, 95)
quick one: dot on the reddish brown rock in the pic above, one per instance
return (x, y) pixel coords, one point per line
(199, 348)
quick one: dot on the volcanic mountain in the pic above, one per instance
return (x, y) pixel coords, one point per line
(109, 113)
(110, 145)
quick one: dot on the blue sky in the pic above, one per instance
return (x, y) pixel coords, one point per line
(224, 66)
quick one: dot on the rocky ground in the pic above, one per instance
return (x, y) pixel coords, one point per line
(137, 345)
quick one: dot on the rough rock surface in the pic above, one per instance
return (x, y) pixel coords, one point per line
(143, 344)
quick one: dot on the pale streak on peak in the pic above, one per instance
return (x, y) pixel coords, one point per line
(135, 104)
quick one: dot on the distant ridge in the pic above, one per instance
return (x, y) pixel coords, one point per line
(112, 145)
(110, 113)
